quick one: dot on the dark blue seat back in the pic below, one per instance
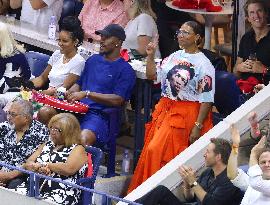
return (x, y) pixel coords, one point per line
(71, 8)
(227, 94)
(37, 62)
(89, 182)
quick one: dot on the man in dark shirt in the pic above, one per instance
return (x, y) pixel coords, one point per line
(212, 187)
(254, 49)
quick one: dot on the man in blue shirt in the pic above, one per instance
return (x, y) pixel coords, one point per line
(107, 81)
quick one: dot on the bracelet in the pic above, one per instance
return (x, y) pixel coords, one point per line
(235, 148)
(87, 92)
(199, 125)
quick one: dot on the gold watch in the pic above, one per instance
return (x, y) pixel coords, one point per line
(199, 125)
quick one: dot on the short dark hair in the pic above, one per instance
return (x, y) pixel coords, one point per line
(222, 147)
(72, 25)
(261, 2)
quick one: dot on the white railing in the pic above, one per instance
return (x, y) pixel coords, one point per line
(193, 155)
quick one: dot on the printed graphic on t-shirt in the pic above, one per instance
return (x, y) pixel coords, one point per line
(184, 82)
(189, 77)
(177, 80)
(205, 84)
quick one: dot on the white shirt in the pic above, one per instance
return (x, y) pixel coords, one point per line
(257, 189)
(41, 17)
(60, 71)
(185, 76)
(142, 25)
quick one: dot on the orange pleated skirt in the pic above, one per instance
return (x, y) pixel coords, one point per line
(166, 136)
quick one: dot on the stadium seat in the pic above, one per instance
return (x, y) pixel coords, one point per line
(227, 95)
(71, 8)
(89, 182)
(37, 62)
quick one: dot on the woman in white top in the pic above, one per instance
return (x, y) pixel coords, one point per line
(65, 65)
(141, 29)
(256, 183)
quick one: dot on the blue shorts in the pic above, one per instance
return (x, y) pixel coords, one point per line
(96, 122)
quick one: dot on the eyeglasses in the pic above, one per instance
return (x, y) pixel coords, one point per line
(55, 130)
(12, 114)
(182, 32)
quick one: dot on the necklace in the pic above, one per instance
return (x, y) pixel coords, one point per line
(65, 59)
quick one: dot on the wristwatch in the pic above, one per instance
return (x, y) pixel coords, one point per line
(199, 125)
(87, 93)
(193, 184)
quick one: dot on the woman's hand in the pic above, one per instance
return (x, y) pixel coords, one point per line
(44, 170)
(32, 166)
(194, 134)
(51, 91)
(235, 135)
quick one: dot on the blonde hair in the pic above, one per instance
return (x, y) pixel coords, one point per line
(7, 43)
(70, 128)
(144, 6)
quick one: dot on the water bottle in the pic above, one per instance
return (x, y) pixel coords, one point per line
(52, 28)
(254, 125)
(125, 163)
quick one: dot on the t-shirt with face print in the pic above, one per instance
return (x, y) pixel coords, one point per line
(187, 77)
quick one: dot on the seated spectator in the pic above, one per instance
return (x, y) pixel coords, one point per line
(38, 12)
(4, 6)
(253, 59)
(13, 63)
(256, 182)
(212, 187)
(63, 157)
(65, 65)
(107, 81)
(141, 28)
(20, 136)
(172, 130)
(96, 14)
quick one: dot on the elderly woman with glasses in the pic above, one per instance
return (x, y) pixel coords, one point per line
(183, 114)
(62, 157)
